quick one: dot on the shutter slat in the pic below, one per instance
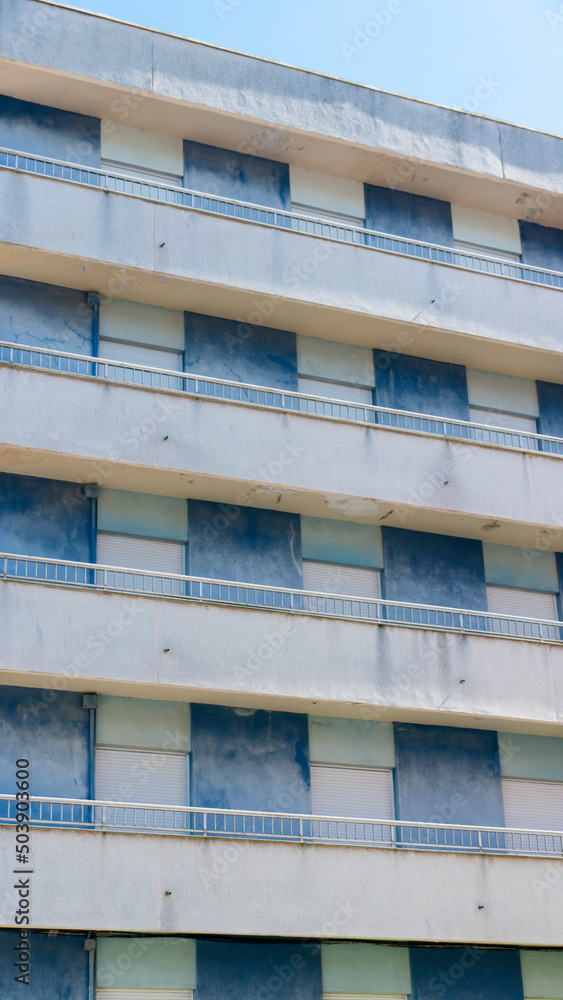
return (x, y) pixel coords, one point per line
(150, 554)
(526, 425)
(351, 581)
(363, 996)
(533, 805)
(335, 390)
(141, 776)
(354, 792)
(145, 357)
(113, 994)
(527, 603)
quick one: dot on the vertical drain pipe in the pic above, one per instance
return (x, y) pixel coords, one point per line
(90, 947)
(93, 299)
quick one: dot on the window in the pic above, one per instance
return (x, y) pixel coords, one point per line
(152, 554)
(502, 401)
(335, 371)
(325, 196)
(335, 390)
(142, 531)
(148, 336)
(524, 603)
(362, 996)
(492, 234)
(332, 578)
(146, 155)
(133, 354)
(153, 776)
(533, 805)
(362, 792)
(351, 793)
(117, 994)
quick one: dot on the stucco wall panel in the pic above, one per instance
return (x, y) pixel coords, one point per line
(273, 660)
(101, 425)
(270, 889)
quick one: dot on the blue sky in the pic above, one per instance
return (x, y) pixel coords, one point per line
(502, 58)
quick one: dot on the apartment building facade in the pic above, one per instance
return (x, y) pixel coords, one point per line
(282, 432)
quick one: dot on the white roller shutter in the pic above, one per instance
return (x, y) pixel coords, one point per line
(335, 390)
(112, 994)
(533, 805)
(154, 777)
(526, 425)
(146, 357)
(151, 554)
(349, 581)
(354, 792)
(362, 996)
(524, 603)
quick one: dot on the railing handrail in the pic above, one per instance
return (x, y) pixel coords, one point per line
(266, 814)
(290, 213)
(184, 577)
(271, 390)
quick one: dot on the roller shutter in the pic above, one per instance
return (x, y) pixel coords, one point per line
(146, 357)
(533, 805)
(524, 603)
(354, 792)
(154, 777)
(151, 554)
(524, 425)
(330, 578)
(336, 390)
(102, 994)
(361, 996)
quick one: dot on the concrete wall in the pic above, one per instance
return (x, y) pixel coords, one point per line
(62, 135)
(244, 543)
(219, 886)
(44, 517)
(313, 277)
(59, 967)
(447, 775)
(236, 175)
(51, 729)
(433, 569)
(410, 215)
(181, 70)
(469, 973)
(417, 384)
(550, 398)
(280, 661)
(250, 759)
(542, 246)
(288, 970)
(238, 351)
(58, 319)
(287, 461)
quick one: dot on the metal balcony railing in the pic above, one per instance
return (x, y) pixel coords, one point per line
(295, 221)
(92, 576)
(80, 365)
(130, 817)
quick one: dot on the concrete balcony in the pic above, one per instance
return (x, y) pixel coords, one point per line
(202, 650)
(212, 885)
(184, 88)
(196, 259)
(270, 453)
